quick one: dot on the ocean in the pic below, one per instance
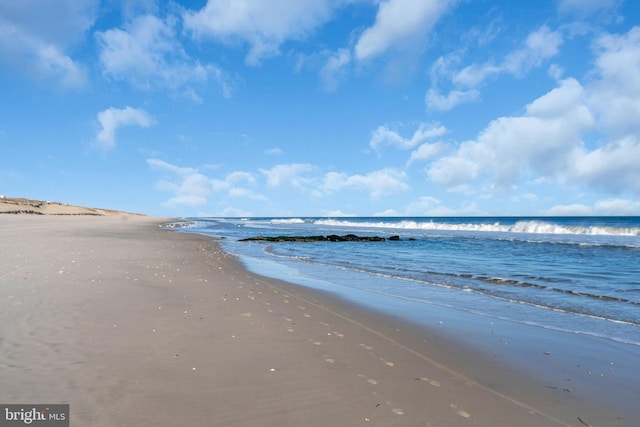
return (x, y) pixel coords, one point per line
(577, 275)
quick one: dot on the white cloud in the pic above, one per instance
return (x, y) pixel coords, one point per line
(575, 209)
(274, 151)
(378, 183)
(147, 54)
(295, 175)
(549, 141)
(540, 45)
(546, 140)
(436, 101)
(398, 23)
(384, 135)
(601, 207)
(35, 38)
(234, 186)
(190, 188)
(617, 207)
(616, 93)
(457, 171)
(338, 213)
(614, 167)
(430, 206)
(264, 25)
(427, 151)
(113, 118)
(334, 68)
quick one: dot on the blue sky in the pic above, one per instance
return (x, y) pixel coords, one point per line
(323, 107)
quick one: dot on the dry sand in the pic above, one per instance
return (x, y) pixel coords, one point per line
(134, 325)
(40, 207)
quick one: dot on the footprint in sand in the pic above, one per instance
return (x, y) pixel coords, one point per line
(430, 381)
(386, 362)
(459, 410)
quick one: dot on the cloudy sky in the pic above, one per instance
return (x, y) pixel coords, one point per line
(323, 107)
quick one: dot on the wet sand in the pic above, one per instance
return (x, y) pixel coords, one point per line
(134, 325)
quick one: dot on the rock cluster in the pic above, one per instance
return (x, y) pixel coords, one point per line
(330, 238)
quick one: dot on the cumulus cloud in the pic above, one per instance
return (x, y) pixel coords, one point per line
(378, 183)
(575, 209)
(385, 136)
(398, 22)
(616, 93)
(189, 187)
(431, 206)
(113, 118)
(295, 175)
(35, 37)
(574, 134)
(147, 54)
(265, 26)
(613, 168)
(600, 207)
(427, 151)
(546, 139)
(617, 207)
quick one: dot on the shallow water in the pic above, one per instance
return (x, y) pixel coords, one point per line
(578, 275)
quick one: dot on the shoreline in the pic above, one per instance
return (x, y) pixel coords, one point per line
(130, 323)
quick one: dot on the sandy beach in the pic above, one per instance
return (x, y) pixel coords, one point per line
(136, 325)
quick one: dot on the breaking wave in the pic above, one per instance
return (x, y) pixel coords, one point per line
(525, 227)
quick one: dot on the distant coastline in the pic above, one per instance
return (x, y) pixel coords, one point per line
(39, 207)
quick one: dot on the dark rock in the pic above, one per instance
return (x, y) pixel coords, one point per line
(329, 238)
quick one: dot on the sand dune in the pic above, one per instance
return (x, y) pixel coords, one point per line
(39, 207)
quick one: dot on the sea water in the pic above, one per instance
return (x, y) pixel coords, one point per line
(579, 275)
(574, 274)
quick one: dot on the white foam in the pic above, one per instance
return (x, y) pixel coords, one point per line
(526, 227)
(287, 221)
